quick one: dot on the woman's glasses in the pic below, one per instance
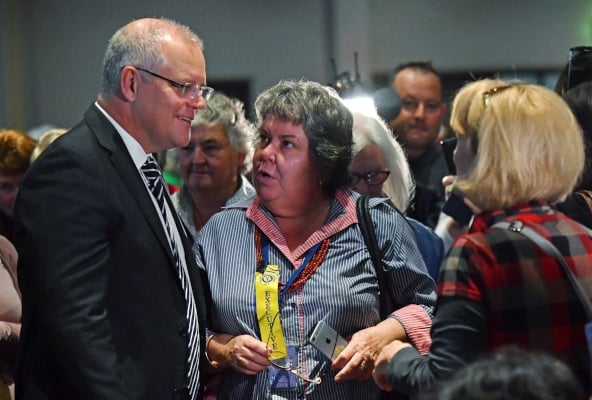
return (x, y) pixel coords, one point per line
(294, 371)
(371, 178)
(289, 367)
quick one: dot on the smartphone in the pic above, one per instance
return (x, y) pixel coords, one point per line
(327, 340)
(448, 146)
(455, 207)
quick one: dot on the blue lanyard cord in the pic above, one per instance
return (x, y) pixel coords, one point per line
(307, 257)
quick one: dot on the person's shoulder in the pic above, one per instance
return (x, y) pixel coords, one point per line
(381, 208)
(578, 206)
(424, 231)
(8, 254)
(386, 217)
(230, 214)
(241, 202)
(243, 195)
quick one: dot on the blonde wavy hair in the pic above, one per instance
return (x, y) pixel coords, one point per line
(46, 138)
(528, 144)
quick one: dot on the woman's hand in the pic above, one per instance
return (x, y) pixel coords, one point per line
(382, 362)
(243, 353)
(358, 358)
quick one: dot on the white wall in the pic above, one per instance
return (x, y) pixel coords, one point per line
(477, 34)
(267, 40)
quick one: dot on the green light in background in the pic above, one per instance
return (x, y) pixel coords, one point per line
(586, 29)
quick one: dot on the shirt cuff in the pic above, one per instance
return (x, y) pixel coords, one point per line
(417, 324)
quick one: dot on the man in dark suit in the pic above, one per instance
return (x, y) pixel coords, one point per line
(113, 304)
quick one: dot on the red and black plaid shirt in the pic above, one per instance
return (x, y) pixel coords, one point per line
(498, 288)
(527, 298)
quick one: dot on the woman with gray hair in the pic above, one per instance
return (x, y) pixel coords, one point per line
(379, 169)
(293, 256)
(214, 162)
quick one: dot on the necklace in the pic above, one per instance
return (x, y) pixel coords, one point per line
(309, 269)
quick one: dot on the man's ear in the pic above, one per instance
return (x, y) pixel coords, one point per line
(128, 83)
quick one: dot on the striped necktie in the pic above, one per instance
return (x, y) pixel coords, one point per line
(156, 185)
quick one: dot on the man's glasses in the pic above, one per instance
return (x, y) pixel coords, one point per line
(290, 368)
(573, 53)
(430, 107)
(492, 92)
(188, 90)
(371, 178)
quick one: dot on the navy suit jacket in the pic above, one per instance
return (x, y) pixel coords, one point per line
(103, 308)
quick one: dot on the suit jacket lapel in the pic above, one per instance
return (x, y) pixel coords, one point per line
(108, 137)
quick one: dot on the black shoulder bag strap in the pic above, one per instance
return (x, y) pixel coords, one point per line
(386, 306)
(549, 248)
(367, 228)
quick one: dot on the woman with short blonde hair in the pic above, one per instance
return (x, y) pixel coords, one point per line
(530, 147)
(519, 151)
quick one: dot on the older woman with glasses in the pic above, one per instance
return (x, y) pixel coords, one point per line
(519, 151)
(379, 169)
(293, 255)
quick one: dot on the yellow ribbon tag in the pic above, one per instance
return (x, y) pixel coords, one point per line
(268, 311)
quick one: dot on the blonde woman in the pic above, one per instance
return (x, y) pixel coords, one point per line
(497, 287)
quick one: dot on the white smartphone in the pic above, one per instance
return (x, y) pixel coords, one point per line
(327, 340)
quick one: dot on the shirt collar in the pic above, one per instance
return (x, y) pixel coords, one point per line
(485, 220)
(133, 147)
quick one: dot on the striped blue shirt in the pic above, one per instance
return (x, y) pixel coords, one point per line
(343, 291)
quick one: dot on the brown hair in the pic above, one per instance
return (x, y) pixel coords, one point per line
(15, 151)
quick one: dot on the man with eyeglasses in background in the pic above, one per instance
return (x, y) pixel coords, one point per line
(113, 304)
(417, 128)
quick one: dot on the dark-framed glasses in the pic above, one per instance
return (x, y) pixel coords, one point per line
(572, 70)
(492, 92)
(372, 178)
(188, 90)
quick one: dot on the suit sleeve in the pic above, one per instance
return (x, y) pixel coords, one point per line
(63, 222)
